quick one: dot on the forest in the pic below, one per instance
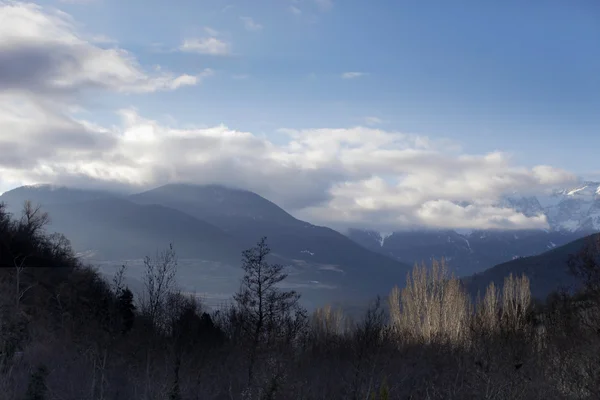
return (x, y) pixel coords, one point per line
(67, 333)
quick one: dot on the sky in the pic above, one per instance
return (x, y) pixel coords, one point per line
(382, 114)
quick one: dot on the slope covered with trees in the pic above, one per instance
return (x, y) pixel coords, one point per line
(67, 334)
(548, 271)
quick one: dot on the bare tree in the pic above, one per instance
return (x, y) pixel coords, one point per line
(33, 219)
(265, 307)
(487, 310)
(20, 265)
(159, 281)
(433, 305)
(516, 299)
(59, 245)
(117, 281)
(326, 322)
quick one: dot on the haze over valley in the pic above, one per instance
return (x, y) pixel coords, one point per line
(210, 225)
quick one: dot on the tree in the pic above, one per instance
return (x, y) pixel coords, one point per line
(432, 307)
(31, 224)
(159, 281)
(586, 266)
(33, 219)
(126, 310)
(268, 313)
(516, 301)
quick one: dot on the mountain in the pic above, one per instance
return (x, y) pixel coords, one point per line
(248, 216)
(111, 227)
(465, 253)
(547, 272)
(45, 194)
(212, 223)
(574, 209)
(572, 213)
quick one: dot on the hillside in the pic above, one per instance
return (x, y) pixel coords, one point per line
(212, 223)
(547, 272)
(465, 253)
(248, 216)
(114, 229)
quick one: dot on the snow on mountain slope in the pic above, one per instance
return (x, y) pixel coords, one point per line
(571, 213)
(569, 209)
(577, 210)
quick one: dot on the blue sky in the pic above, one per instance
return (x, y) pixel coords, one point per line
(352, 112)
(522, 77)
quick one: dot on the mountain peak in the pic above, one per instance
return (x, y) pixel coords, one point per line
(213, 200)
(47, 194)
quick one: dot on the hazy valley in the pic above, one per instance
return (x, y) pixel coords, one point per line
(210, 225)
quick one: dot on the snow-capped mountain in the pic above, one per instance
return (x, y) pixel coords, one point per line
(572, 213)
(577, 209)
(573, 209)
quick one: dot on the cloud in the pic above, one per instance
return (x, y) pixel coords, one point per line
(41, 51)
(207, 45)
(250, 24)
(78, 1)
(373, 121)
(353, 75)
(295, 10)
(357, 176)
(211, 31)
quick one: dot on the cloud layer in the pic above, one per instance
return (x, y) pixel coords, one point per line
(359, 177)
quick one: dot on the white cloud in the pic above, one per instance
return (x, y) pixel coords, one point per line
(78, 1)
(211, 31)
(41, 51)
(210, 45)
(207, 45)
(102, 39)
(342, 177)
(373, 121)
(295, 10)
(353, 75)
(250, 24)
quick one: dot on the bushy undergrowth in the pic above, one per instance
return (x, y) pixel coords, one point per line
(67, 334)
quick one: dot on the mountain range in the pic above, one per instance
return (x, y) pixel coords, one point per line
(211, 225)
(571, 213)
(547, 272)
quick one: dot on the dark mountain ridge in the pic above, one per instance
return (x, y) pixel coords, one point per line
(547, 272)
(249, 216)
(465, 253)
(216, 223)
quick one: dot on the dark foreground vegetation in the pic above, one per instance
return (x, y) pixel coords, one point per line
(67, 334)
